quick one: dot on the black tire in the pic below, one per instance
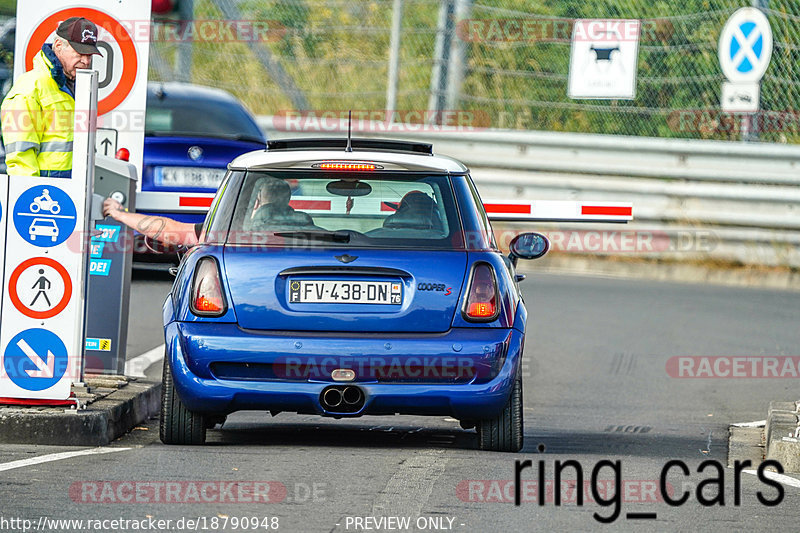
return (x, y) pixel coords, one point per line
(178, 424)
(504, 433)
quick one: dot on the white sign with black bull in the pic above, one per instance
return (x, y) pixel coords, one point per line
(603, 60)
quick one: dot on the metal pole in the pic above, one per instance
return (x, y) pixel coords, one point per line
(268, 61)
(83, 169)
(458, 58)
(183, 59)
(444, 32)
(162, 67)
(394, 58)
(750, 123)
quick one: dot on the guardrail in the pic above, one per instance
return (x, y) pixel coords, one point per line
(736, 202)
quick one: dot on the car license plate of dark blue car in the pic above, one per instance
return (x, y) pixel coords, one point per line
(352, 292)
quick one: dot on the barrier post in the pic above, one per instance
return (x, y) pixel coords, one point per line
(83, 157)
(44, 279)
(111, 257)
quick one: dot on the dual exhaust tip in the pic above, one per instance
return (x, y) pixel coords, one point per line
(342, 399)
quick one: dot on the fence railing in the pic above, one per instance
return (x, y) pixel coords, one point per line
(506, 59)
(700, 200)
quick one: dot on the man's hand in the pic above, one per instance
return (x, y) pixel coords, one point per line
(111, 207)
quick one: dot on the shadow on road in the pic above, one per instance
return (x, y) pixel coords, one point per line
(342, 434)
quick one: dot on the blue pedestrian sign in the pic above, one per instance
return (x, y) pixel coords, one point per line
(45, 216)
(35, 359)
(745, 45)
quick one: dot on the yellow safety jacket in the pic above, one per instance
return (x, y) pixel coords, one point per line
(37, 120)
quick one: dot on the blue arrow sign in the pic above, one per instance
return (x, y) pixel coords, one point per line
(45, 216)
(35, 359)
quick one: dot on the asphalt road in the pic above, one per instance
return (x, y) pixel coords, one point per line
(596, 388)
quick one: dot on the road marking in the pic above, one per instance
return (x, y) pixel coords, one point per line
(56, 457)
(411, 485)
(756, 424)
(135, 367)
(786, 480)
(409, 489)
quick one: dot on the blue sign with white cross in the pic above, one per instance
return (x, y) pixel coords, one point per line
(35, 359)
(745, 45)
(45, 216)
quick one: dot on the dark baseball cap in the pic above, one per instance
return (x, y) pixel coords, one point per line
(81, 33)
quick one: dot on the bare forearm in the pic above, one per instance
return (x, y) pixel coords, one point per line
(162, 229)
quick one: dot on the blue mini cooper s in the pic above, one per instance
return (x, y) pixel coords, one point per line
(345, 278)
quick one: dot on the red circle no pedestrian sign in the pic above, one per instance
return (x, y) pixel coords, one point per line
(43, 284)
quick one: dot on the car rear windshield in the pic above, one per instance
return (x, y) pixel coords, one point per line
(199, 118)
(324, 209)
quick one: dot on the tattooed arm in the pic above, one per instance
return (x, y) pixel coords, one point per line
(162, 229)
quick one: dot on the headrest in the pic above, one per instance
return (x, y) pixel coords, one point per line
(271, 215)
(414, 219)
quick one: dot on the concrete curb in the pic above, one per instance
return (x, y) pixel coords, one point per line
(100, 423)
(783, 421)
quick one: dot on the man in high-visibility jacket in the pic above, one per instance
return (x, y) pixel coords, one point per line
(38, 112)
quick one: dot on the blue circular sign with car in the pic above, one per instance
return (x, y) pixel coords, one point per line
(45, 216)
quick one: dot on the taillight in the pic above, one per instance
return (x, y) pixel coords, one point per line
(347, 165)
(481, 305)
(207, 297)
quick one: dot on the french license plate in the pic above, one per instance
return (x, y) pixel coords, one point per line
(351, 292)
(207, 178)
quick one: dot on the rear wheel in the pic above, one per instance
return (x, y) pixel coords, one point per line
(178, 424)
(504, 433)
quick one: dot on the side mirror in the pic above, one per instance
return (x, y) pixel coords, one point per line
(528, 246)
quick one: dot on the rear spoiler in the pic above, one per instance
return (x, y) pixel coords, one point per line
(559, 211)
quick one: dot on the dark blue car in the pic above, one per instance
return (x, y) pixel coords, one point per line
(191, 134)
(347, 283)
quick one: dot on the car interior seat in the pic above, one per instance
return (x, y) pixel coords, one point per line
(416, 211)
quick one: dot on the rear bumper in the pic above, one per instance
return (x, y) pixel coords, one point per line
(492, 356)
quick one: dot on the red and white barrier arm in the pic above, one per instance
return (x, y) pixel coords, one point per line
(536, 211)
(173, 202)
(559, 211)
